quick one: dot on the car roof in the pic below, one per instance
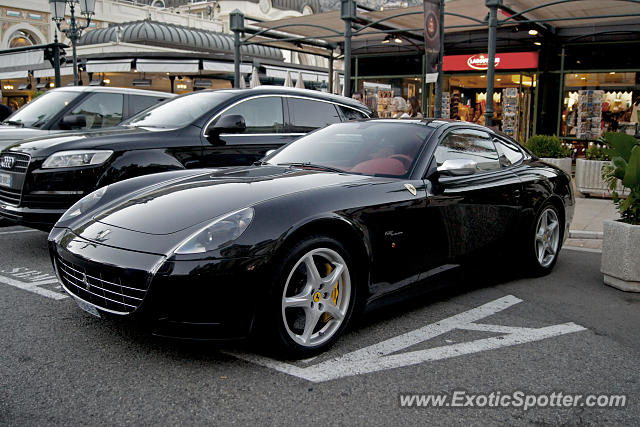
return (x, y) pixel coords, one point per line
(109, 89)
(437, 123)
(308, 93)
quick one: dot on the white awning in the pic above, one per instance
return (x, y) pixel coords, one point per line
(20, 59)
(50, 72)
(225, 67)
(14, 75)
(168, 65)
(307, 76)
(109, 66)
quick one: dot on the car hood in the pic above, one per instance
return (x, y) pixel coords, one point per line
(45, 146)
(12, 134)
(176, 206)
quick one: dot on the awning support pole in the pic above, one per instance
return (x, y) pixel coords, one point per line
(347, 14)
(236, 24)
(331, 72)
(491, 69)
(440, 82)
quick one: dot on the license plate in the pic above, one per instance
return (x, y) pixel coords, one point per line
(5, 179)
(87, 307)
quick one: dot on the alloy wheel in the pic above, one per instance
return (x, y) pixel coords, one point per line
(316, 297)
(547, 237)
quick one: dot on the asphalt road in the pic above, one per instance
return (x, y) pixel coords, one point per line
(566, 332)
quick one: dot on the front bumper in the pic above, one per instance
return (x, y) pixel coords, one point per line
(200, 299)
(42, 219)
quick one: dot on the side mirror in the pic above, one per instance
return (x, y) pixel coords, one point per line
(458, 167)
(233, 123)
(73, 121)
(268, 153)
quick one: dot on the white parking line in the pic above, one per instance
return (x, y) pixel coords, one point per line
(384, 355)
(34, 287)
(19, 231)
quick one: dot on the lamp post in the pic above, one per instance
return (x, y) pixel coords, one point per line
(87, 8)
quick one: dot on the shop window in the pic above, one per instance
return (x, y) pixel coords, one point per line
(101, 110)
(468, 145)
(595, 103)
(261, 115)
(307, 115)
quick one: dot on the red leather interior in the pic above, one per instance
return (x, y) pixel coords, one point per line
(381, 166)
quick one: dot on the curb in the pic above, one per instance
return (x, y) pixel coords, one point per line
(584, 234)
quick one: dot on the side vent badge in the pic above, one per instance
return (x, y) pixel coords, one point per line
(411, 189)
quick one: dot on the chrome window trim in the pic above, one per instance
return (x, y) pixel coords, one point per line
(261, 134)
(204, 128)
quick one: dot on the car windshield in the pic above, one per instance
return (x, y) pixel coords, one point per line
(178, 112)
(377, 148)
(40, 110)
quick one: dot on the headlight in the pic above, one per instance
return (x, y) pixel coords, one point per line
(219, 233)
(70, 159)
(85, 204)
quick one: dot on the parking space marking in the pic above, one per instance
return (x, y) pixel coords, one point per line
(380, 356)
(31, 280)
(18, 231)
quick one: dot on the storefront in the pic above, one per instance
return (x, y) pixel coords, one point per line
(464, 90)
(595, 103)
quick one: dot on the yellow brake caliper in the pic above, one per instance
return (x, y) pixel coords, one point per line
(326, 317)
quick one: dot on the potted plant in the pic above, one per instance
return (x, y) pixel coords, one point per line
(589, 170)
(550, 149)
(621, 243)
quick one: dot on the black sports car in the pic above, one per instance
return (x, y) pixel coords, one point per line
(293, 246)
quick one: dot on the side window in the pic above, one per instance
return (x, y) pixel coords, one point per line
(351, 114)
(262, 115)
(139, 103)
(308, 115)
(468, 144)
(509, 152)
(101, 110)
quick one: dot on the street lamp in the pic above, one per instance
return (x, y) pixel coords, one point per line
(87, 8)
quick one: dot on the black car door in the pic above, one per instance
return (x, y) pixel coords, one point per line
(265, 130)
(480, 207)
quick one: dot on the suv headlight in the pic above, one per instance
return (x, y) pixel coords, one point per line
(219, 233)
(85, 204)
(70, 159)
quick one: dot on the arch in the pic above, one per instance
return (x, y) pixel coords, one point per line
(27, 28)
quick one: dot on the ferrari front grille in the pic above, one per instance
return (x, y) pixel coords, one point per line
(105, 292)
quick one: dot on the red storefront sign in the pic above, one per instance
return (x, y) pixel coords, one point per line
(504, 61)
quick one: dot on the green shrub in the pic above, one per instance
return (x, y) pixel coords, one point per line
(548, 146)
(625, 168)
(597, 151)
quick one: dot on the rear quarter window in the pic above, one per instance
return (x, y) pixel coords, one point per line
(139, 103)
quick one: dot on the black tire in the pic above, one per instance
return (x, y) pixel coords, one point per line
(548, 244)
(280, 325)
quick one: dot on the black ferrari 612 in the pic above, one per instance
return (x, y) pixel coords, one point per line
(291, 247)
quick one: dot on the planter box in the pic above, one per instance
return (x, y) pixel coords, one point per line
(589, 178)
(620, 249)
(564, 163)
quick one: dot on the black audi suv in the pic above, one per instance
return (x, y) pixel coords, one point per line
(41, 178)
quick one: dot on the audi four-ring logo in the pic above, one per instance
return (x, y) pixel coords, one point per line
(7, 162)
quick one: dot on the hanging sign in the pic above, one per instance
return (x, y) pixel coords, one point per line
(432, 26)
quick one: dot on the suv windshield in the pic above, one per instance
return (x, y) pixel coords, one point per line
(40, 110)
(178, 112)
(378, 148)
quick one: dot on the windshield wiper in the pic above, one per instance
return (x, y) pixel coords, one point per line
(13, 122)
(311, 165)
